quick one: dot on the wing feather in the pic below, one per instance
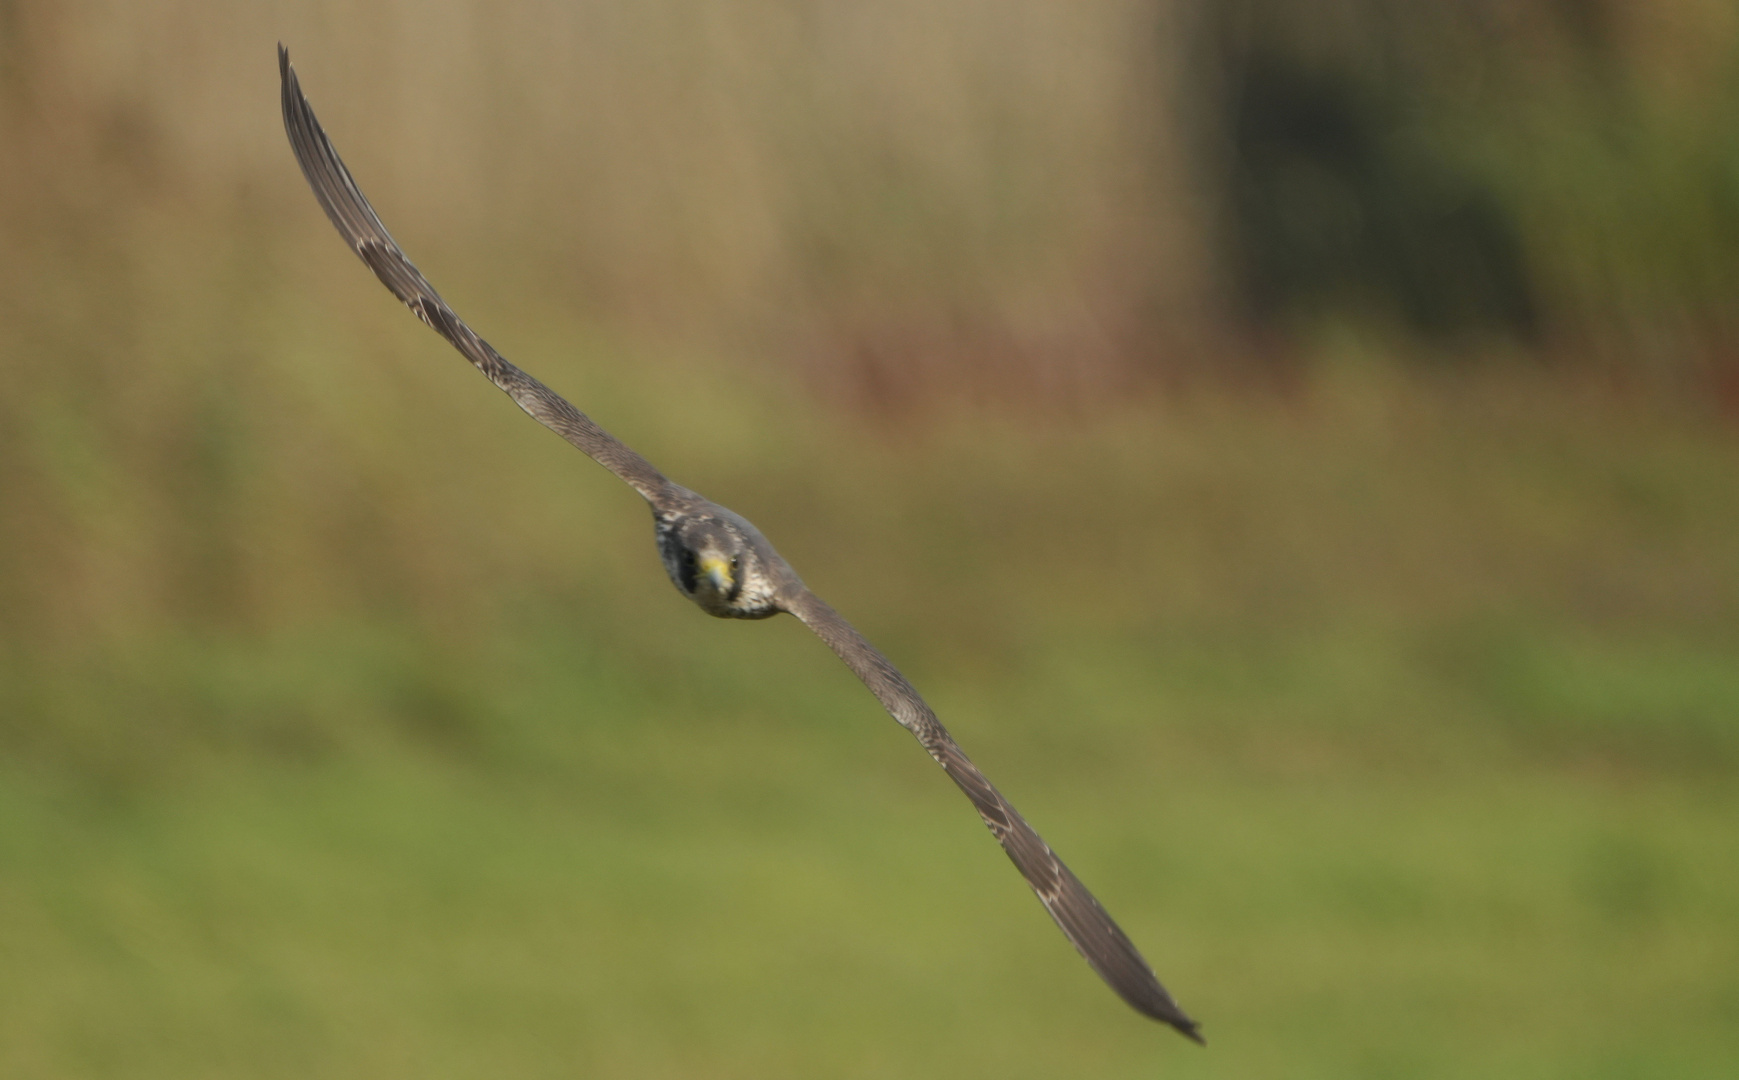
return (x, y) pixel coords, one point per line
(362, 229)
(1095, 935)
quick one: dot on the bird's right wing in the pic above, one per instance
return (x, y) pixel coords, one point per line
(361, 228)
(1083, 921)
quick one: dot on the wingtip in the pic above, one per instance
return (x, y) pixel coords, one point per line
(1168, 1013)
(1177, 1019)
(1152, 1001)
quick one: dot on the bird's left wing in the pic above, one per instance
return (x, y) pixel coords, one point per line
(361, 228)
(1083, 921)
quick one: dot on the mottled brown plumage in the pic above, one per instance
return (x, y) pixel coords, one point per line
(724, 564)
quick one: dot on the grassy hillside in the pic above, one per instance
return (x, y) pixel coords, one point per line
(1396, 721)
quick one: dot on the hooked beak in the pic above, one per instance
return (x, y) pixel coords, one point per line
(718, 573)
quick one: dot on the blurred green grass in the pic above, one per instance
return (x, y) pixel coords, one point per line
(1396, 720)
(615, 872)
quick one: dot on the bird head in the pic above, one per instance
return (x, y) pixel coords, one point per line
(711, 567)
(714, 563)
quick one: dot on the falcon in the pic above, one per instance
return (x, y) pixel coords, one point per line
(722, 563)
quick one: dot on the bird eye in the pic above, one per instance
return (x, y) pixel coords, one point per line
(733, 565)
(685, 570)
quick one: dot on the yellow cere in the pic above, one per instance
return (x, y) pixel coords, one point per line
(718, 569)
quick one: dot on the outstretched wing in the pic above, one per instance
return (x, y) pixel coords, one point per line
(1083, 921)
(1087, 925)
(357, 222)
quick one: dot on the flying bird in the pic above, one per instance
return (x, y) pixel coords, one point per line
(721, 562)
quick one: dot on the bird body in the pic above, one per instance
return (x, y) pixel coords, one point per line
(717, 559)
(720, 561)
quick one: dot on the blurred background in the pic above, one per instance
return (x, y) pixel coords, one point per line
(1293, 443)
